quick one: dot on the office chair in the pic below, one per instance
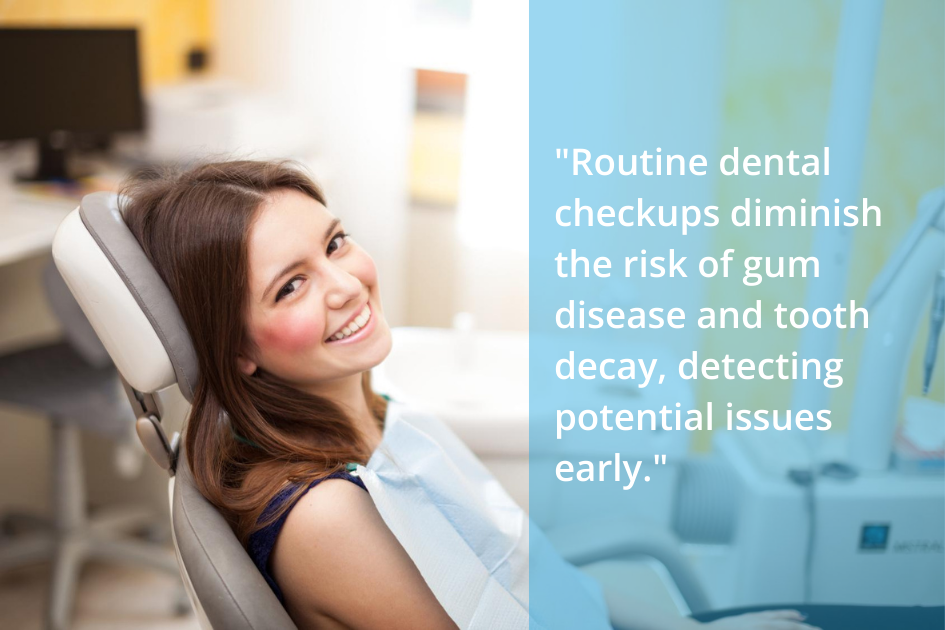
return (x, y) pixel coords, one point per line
(75, 385)
(139, 324)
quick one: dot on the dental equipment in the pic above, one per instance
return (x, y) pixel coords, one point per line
(936, 318)
(895, 303)
(877, 538)
(851, 99)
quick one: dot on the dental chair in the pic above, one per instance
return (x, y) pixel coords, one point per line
(139, 324)
(137, 321)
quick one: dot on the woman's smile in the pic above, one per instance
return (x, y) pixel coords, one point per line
(360, 326)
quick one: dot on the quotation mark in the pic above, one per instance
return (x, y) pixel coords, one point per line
(656, 460)
(558, 152)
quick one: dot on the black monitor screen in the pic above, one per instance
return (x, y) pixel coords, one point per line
(83, 80)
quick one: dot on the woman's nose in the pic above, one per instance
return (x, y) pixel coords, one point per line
(342, 287)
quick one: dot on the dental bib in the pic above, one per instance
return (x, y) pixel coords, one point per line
(468, 538)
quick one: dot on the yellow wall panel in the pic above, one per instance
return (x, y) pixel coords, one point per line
(168, 29)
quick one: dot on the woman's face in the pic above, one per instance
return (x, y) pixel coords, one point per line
(314, 312)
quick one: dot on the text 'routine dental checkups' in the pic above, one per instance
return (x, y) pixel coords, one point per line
(606, 300)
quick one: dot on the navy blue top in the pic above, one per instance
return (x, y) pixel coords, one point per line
(262, 541)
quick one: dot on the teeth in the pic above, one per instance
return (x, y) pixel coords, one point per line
(356, 324)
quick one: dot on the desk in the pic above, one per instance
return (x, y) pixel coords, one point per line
(28, 221)
(27, 226)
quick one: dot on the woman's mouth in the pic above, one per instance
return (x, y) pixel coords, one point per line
(357, 327)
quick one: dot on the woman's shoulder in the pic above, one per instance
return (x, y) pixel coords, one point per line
(263, 541)
(327, 507)
(335, 549)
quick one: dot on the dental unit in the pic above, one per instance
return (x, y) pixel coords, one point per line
(824, 517)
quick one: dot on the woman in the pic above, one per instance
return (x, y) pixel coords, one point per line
(285, 314)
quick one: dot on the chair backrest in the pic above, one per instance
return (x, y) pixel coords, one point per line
(133, 314)
(231, 591)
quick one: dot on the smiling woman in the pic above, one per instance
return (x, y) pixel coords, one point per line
(284, 311)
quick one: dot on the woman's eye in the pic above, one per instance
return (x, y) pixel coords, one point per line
(337, 242)
(290, 287)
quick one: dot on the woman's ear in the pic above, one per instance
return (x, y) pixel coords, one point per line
(246, 365)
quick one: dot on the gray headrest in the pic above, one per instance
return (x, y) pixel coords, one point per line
(100, 215)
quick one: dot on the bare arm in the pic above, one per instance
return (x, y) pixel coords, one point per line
(338, 564)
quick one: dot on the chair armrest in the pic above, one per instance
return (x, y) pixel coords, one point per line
(586, 543)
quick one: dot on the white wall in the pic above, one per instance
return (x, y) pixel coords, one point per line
(493, 206)
(343, 63)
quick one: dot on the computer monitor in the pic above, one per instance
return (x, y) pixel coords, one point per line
(62, 81)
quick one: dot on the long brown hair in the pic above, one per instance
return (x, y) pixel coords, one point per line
(246, 436)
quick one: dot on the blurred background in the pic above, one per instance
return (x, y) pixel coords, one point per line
(397, 109)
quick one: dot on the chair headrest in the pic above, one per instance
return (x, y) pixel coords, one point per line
(129, 306)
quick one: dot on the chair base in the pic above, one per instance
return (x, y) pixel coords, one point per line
(76, 538)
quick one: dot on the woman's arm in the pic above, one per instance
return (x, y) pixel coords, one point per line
(338, 564)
